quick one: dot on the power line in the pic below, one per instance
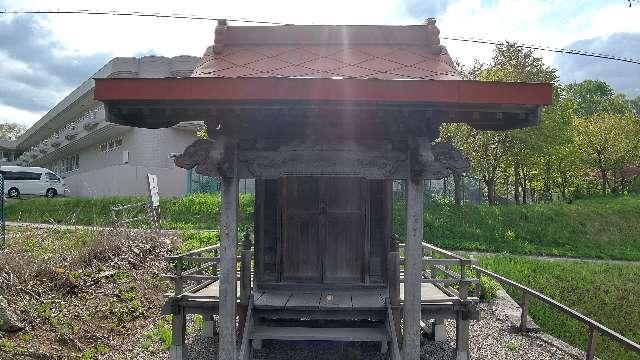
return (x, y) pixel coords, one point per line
(547, 48)
(139, 14)
(245, 20)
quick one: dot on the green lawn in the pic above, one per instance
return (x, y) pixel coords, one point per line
(201, 211)
(608, 293)
(606, 228)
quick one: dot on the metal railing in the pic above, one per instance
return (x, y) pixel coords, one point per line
(593, 327)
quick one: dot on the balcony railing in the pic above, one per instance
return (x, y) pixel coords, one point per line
(87, 122)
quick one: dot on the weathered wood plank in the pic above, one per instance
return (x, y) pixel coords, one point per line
(304, 300)
(228, 275)
(367, 300)
(331, 334)
(335, 300)
(273, 300)
(413, 269)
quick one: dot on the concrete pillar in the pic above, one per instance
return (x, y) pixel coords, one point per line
(439, 330)
(209, 328)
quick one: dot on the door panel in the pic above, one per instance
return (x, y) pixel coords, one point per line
(344, 251)
(324, 229)
(303, 250)
(302, 245)
(343, 202)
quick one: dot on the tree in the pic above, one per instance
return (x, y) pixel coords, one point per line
(591, 97)
(490, 152)
(607, 142)
(635, 105)
(11, 131)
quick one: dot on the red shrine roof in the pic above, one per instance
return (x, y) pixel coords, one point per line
(328, 51)
(358, 66)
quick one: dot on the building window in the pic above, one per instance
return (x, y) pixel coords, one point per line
(110, 145)
(68, 164)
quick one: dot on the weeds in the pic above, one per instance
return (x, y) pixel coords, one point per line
(159, 335)
(608, 293)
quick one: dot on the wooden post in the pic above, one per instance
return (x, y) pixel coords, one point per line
(591, 344)
(228, 272)
(393, 271)
(524, 314)
(179, 285)
(413, 269)
(478, 286)
(178, 331)
(245, 281)
(462, 325)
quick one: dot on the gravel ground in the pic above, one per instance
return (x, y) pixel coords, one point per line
(492, 338)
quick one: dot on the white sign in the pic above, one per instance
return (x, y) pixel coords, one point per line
(153, 190)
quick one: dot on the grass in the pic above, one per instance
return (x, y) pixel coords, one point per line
(605, 228)
(198, 211)
(608, 293)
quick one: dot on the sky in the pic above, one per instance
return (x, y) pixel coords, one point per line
(44, 57)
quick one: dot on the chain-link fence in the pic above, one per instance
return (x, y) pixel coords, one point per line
(474, 190)
(3, 227)
(200, 184)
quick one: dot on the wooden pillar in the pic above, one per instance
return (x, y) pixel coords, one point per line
(393, 277)
(227, 271)
(178, 331)
(245, 281)
(413, 269)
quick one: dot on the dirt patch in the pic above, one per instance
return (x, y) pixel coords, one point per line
(84, 294)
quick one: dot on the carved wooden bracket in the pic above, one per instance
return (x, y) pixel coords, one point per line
(435, 162)
(447, 160)
(209, 157)
(420, 156)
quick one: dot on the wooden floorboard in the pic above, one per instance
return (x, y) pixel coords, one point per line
(304, 300)
(273, 299)
(428, 293)
(331, 334)
(367, 300)
(336, 300)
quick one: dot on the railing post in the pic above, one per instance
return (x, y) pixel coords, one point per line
(245, 281)
(178, 281)
(478, 286)
(524, 314)
(393, 276)
(462, 322)
(591, 344)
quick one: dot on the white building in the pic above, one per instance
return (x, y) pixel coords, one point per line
(96, 157)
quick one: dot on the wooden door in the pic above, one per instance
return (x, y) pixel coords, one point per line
(324, 229)
(343, 208)
(301, 246)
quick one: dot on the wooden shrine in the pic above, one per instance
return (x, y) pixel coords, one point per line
(321, 118)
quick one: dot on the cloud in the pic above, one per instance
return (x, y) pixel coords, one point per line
(420, 9)
(37, 71)
(623, 77)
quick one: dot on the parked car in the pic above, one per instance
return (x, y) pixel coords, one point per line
(21, 180)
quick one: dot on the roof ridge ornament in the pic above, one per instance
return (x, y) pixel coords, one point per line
(433, 37)
(218, 41)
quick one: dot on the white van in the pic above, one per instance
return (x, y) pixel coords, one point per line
(21, 180)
